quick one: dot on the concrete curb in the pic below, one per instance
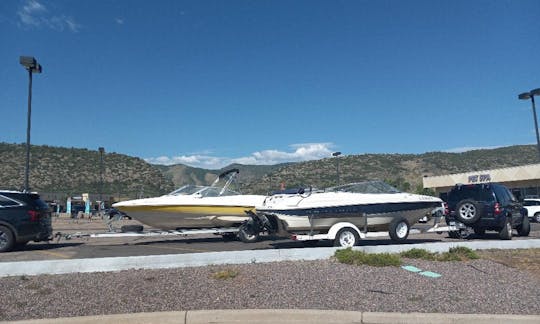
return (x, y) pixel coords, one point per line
(32, 268)
(288, 316)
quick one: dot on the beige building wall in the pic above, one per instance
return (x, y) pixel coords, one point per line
(525, 176)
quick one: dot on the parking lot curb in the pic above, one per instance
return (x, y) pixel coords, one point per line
(32, 268)
(287, 316)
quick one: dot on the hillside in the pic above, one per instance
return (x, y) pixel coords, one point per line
(405, 171)
(75, 171)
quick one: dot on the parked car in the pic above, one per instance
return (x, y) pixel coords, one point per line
(113, 212)
(24, 217)
(533, 208)
(487, 207)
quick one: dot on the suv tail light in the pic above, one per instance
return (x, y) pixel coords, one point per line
(34, 215)
(446, 210)
(497, 209)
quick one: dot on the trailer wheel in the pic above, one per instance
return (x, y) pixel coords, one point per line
(399, 229)
(131, 228)
(247, 234)
(7, 240)
(347, 237)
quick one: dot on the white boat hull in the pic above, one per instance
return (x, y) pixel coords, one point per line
(320, 211)
(171, 213)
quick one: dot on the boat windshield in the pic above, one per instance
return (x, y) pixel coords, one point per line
(210, 191)
(372, 187)
(186, 190)
(202, 191)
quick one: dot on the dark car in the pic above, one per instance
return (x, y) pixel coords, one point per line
(487, 207)
(24, 217)
(115, 213)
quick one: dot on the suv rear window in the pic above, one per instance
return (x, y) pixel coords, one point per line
(503, 195)
(475, 192)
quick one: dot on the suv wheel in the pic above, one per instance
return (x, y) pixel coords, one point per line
(468, 211)
(525, 228)
(7, 241)
(506, 231)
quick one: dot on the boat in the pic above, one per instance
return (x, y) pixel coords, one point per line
(368, 206)
(194, 207)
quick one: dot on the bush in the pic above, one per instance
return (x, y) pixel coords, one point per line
(454, 254)
(348, 256)
(419, 254)
(225, 274)
(461, 253)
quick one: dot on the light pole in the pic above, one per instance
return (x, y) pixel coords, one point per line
(101, 151)
(530, 95)
(32, 66)
(336, 154)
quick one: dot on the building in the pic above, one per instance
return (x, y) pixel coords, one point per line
(524, 181)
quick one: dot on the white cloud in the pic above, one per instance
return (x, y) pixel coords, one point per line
(33, 14)
(119, 21)
(301, 152)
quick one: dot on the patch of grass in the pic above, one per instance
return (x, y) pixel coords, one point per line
(459, 253)
(454, 254)
(523, 259)
(225, 274)
(349, 256)
(419, 254)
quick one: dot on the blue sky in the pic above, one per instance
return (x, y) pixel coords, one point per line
(207, 83)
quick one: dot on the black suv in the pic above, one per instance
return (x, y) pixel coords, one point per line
(482, 207)
(24, 217)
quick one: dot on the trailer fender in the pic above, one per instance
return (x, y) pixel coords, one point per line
(332, 232)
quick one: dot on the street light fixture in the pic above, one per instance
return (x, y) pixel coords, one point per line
(32, 66)
(101, 151)
(336, 154)
(530, 95)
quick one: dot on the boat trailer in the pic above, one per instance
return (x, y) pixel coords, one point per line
(138, 231)
(347, 234)
(225, 232)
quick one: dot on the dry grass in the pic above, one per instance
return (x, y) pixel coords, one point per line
(523, 259)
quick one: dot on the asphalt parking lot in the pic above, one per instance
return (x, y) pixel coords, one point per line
(78, 248)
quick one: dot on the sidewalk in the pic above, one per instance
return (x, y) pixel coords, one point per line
(288, 316)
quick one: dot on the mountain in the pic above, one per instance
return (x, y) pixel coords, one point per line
(75, 171)
(404, 171)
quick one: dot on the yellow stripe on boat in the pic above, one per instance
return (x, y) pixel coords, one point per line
(194, 209)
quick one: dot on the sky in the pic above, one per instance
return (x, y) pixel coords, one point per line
(209, 83)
